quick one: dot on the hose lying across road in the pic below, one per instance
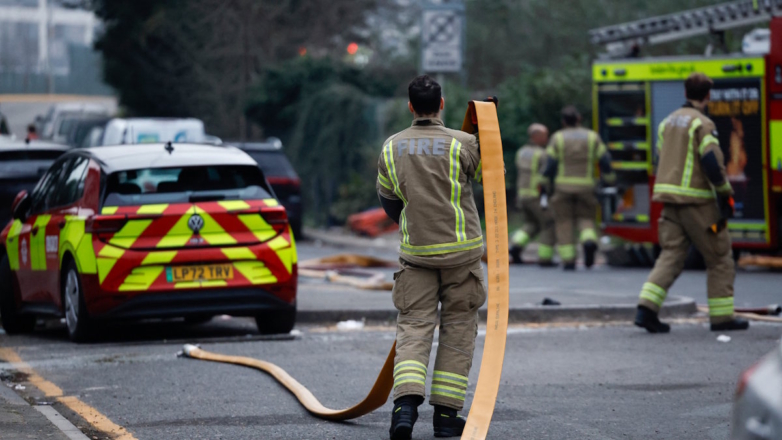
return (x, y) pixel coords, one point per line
(482, 408)
(748, 315)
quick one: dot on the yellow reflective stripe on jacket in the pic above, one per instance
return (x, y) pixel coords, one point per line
(690, 162)
(660, 131)
(707, 140)
(385, 183)
(681, 191)
(456, 189)
(724, 188)
(561, 155)
(388, 157)
(445, 248)
(479, 172)
(591, 141)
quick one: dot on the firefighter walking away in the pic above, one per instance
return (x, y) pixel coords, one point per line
(425, 176)
(697, 202)
(532, 199)
(574, 155)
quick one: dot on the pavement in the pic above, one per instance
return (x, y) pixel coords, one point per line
(605, 382)
(602, 293)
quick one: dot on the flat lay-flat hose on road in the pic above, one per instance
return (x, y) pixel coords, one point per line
(493, 168)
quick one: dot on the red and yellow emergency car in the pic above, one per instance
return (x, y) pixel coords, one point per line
(148, 231)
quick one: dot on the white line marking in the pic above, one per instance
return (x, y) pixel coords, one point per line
(61, 423)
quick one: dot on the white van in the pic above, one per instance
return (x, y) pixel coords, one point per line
(151, 130)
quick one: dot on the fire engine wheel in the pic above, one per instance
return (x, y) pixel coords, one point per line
(13, 322)
(276, 322)
(76, 316)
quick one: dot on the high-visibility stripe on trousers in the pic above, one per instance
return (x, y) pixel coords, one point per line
(417, 293)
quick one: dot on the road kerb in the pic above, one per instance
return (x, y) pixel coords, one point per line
(675, 307)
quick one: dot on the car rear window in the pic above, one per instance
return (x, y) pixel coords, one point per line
(27, 161)
(185, 184)
(273, 164)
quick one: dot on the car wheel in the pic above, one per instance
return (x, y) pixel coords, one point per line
(276, 322)
(76, 317)
(13, 322)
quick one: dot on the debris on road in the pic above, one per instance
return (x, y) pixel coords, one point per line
(550, 302)
(345, 269)
(372, 223)
(351, 325)
(723, 338)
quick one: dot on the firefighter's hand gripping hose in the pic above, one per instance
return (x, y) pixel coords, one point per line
(484, 115)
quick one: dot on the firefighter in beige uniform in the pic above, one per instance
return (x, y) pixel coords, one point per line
(424, 183)
(692, 185)
(531, 199)
(574, 154)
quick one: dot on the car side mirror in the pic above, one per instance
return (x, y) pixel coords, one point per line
(21, 205)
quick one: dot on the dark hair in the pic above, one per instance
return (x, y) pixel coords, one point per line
(425, 94)
(697, 86)
(570, 116)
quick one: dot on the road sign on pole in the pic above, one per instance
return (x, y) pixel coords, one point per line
(442, 37)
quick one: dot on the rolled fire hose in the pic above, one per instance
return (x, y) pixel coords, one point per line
(485, 114)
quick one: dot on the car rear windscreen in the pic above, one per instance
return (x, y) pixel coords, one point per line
(185, 184)
(273, 164)
(27, 161)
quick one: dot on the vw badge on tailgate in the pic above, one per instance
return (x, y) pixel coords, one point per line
(196, 223)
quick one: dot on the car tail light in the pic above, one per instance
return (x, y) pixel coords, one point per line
(744, 379)
(275, 216)
(105, 224)
(285, 181)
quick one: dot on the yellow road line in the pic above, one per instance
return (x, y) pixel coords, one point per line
(88, 413)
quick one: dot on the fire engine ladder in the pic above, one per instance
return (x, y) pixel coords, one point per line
(623, 39)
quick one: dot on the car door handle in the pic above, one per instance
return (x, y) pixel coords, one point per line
(35, 230)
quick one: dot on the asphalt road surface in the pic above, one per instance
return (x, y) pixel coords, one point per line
(558, 383)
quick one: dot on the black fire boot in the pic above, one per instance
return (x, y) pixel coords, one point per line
(515, 254)
(569, 266)
(590, 249)
(404, 416)
(447, 423)
(647, 318)
(734, 324)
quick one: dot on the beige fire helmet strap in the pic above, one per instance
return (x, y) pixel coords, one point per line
(485, 115)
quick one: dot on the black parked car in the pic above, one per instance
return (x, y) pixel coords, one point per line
(280, 174)
(21, 166)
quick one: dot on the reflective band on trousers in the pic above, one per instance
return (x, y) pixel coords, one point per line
(588, 234)
(445, 248)
(567, 252)
(388, 156)
(409, 372)
(654, 293)
(449, 385)
(721, 306)
(545, 252)
(456, 189)
(520, 238)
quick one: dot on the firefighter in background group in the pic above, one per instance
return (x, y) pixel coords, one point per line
(697, 201)
(532, 198)
(424, 183)
(574, 154)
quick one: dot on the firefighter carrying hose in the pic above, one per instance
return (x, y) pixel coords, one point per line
(574, 154)
(424, 183)
(697, 197)
(532, 199)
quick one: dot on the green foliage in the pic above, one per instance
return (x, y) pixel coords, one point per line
(327, 115)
